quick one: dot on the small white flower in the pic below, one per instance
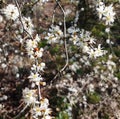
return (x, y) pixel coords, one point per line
(47, 117)
(91, 53)
(108, 41)
(3, 65)
(96, 52)
(84, 98)
(44, 103)
(36, 112)
(57, 31)
(54, 35)
(75, 39)
(73, 30)
(74, 67)
(107, 30)
(39, 53)
(31, 44)
(106, 13)
(1, 106)
(99, 51)
(11, 12)
(109, 19)
(85, 48)
(31, 54)
(51, 38)
(103, 89)
(37, 39)
(42, 110)
(41, 66)
(5, 97)
(1, 50)
(92, 40)
(91, 88)
(100, 10)
(38, 67)
(29, 96)
(82, 9)
(68, 12)
(35, 77)
(111, 65)
(27, 23)
(1, 18)
(47, 111)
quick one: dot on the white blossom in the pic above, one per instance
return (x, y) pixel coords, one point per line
(51, 38)
(35, 77)
(96, 52)
(36, 112)
(11, 12)
(28, 25)
(54, 35)
(91, 88)
(37, 38)
(31, 44)
(1, 18)
(106, 13)
(38, 67)
(100, 9)
(39, 53)
(75, 39)
(74, 67)
(29, 96)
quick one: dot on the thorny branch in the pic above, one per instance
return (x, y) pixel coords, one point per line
(65, 42)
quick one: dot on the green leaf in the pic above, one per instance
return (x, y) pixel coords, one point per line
(118, 75)
(43, 43)
(63, 115)
(93, 98)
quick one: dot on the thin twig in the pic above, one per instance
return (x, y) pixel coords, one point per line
(21, 112)
(65, 42)
(66, 50)
(53, 16)
(20, 18)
